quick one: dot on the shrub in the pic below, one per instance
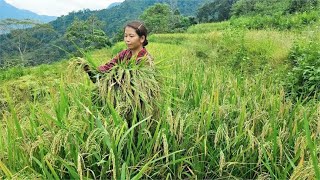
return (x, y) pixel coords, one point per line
(304, 78)
(276, 21)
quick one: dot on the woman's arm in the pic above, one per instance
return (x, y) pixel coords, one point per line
(113, 62)
(109, 65)
(103, 68)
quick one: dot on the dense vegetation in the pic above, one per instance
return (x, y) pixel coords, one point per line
(259, 14)
(60, 47)
(234, 102)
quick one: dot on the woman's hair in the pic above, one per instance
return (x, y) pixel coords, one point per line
(140, 28)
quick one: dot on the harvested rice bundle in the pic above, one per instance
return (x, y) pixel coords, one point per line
(129, 86)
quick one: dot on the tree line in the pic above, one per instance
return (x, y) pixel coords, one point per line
(220, 10)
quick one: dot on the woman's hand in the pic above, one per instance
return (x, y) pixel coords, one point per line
(86, 67)
(84, 64)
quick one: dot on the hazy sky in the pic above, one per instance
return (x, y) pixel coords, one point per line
(60, 7)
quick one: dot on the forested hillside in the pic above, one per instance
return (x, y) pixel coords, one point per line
(115, 17)
(52, 46)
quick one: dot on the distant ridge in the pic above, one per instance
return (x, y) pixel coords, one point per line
(9, 11)
(113, 5)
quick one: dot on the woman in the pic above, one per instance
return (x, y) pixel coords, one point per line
(127, 99)
(135, 37)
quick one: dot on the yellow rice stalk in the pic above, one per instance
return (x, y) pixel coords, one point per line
(165, 147)
(303, 171)
(79, 167)
(222, 162)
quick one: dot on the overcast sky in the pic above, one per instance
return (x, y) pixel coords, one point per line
(60, 7)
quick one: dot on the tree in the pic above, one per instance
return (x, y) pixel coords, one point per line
(15, 36)
(157, 18)
(88, 34)
(219, 10)
(302, 5)
(243, 7)
(271, 7)
(20, 37)
(161, 18)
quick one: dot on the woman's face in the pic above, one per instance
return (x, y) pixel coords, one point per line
(132, 39)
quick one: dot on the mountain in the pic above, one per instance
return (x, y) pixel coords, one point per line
(115, 17)
(9, 11)
(113, 5)
(129, 10)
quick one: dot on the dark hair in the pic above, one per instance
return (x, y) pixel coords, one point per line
(140, 28)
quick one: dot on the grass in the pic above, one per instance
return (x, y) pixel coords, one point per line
(221, 114)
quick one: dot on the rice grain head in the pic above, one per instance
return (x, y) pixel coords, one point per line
(222, 162)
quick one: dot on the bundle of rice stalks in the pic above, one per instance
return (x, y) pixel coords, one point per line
(75, 68)
(129, 87)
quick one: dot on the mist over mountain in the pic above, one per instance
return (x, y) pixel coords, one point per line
(9, 11)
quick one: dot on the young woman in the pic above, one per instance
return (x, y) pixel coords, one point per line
(135, 37)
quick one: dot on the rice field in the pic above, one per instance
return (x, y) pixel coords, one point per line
(221, 113)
